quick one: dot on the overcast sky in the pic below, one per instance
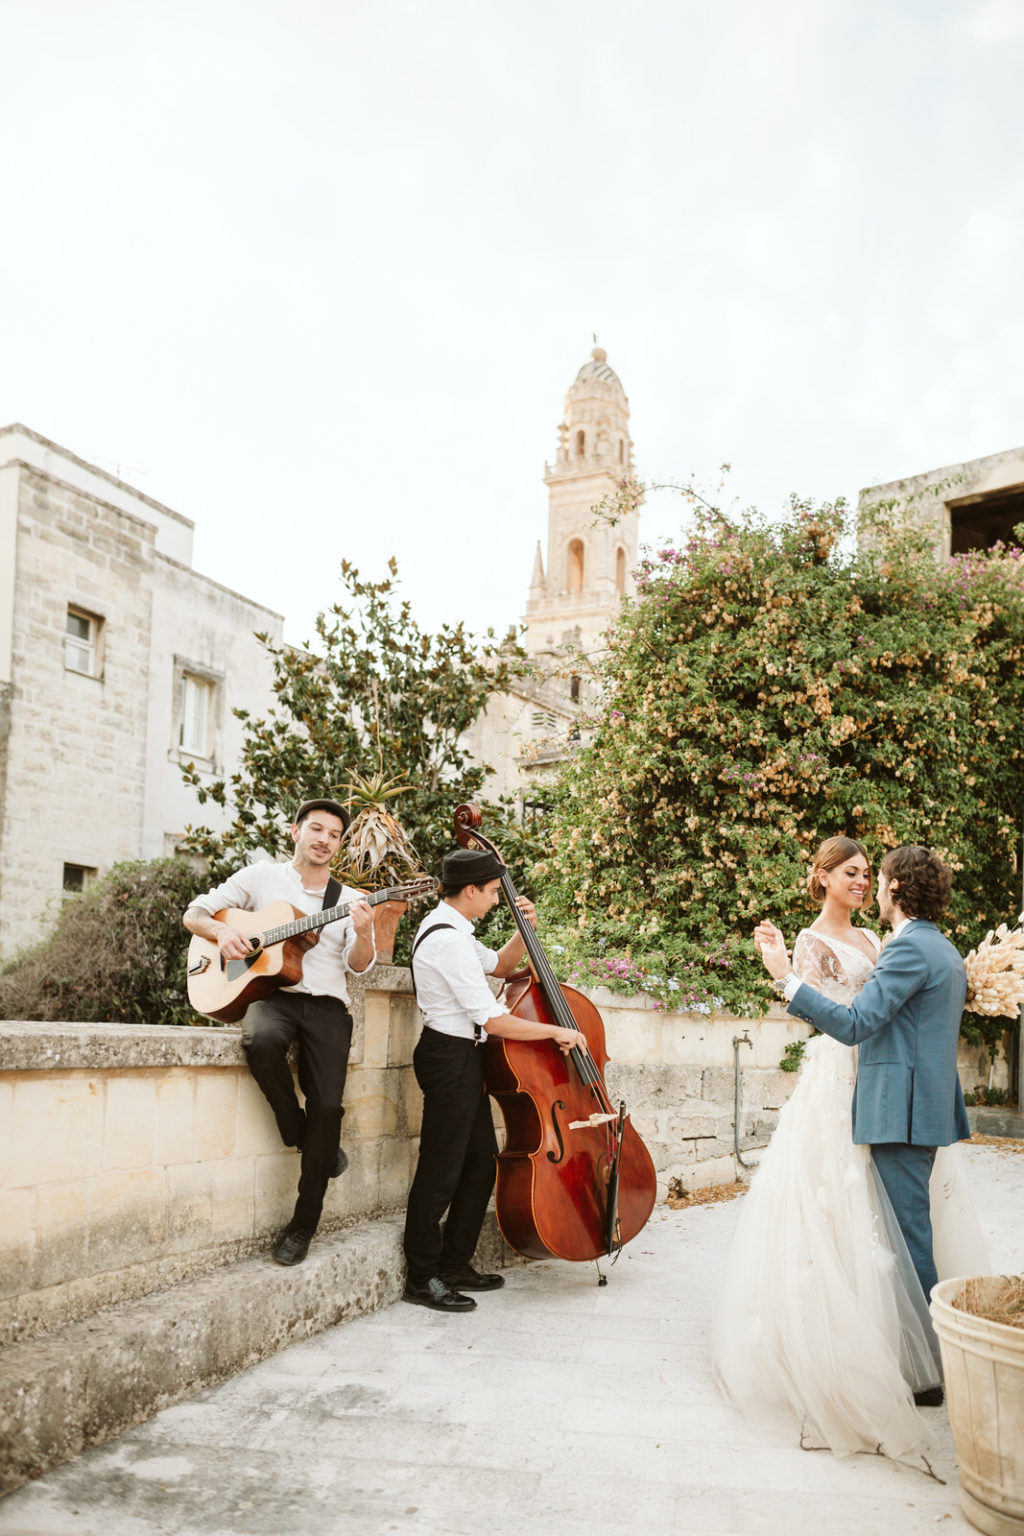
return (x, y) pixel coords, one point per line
(319, 274)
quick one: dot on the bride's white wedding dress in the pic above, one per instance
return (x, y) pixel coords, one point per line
(821, 1328)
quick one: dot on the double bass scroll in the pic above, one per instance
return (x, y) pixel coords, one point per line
(574, 1180)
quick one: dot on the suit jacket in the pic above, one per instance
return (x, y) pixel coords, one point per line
(906, 1021)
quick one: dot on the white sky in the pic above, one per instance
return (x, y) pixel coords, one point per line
(319, 274)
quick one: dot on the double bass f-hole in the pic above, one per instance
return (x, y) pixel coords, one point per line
(556, 1157)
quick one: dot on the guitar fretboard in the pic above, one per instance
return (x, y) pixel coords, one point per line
(329, 915)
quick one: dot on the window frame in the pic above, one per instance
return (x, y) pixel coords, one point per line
(93, 646)
(87, 872)
(185, 670)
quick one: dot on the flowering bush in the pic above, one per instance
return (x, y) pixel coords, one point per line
(768, 687)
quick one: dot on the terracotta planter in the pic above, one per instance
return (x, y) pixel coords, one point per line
(386, 919)
(983, 1363)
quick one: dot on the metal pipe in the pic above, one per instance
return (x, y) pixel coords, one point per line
(737, 1041)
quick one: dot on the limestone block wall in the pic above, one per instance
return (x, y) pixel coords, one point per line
(74, 752)
(133, 1157)
(677, 1074)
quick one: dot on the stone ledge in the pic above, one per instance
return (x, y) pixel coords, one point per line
(82, 1384)
(994, 1120)
(30, 1046)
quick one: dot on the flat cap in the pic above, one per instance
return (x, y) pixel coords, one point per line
(334, 806)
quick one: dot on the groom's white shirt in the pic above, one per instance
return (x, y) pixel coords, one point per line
(791, 984)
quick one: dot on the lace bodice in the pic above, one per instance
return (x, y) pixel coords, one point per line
(831, 966)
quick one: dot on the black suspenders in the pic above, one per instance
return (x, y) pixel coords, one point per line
(478, 1033)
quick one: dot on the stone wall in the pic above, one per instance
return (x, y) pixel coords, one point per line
(133, 1158)
(677, 1073)
(73, 550)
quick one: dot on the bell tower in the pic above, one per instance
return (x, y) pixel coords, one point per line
(589, 568)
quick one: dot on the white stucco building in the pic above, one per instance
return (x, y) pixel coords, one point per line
(118, 662)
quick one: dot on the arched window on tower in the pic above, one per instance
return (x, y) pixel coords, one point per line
(622, 451)
(581, 443)
(620, 570)
(574, 567)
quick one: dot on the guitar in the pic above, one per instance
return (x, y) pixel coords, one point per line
(280, 935)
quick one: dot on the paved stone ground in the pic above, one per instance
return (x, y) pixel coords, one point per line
(556, 1407)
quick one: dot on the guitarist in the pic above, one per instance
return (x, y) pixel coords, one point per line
(314, 1012)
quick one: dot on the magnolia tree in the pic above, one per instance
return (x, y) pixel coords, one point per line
(768, 687)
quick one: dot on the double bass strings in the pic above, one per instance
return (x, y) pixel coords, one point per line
(541, 966)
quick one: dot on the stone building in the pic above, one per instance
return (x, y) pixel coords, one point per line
(574, 596)
(118, 662)
(967, 506)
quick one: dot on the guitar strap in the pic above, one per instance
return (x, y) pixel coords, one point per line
(332, 893)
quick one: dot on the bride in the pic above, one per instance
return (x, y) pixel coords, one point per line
(821, 1328)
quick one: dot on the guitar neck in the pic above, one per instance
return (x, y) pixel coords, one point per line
(328, 915)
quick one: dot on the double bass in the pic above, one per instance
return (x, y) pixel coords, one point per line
(574, 1180)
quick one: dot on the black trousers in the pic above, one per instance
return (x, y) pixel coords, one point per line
(458, 1146)
(323, 1028)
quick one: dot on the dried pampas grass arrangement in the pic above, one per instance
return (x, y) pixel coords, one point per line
(995, 972)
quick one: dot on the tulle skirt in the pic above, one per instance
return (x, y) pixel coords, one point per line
(822, 1330)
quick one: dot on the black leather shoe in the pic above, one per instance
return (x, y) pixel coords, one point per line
(293, 1245)
(340, 1163)
(438, 1296)
(930, 1397)
(466, 1278)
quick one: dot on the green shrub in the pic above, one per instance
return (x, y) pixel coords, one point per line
(768, 687)
(116, 954)
(792, 1056)
(989, 1096)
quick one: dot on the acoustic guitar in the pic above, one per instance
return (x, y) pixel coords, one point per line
(280, 935)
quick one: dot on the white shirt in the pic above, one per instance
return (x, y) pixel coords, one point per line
(325, 967)
(450, 967)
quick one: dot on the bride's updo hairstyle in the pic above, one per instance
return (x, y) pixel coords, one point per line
(833, 852)
(919, 883)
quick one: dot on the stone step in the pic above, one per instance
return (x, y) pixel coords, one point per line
(996, 1120)
(81, 1384)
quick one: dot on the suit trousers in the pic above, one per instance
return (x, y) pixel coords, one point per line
(322, 1026)
(905, 1171)
(458, 1147)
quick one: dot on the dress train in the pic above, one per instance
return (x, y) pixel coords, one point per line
(822, 1330)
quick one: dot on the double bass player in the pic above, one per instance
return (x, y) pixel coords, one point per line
(458, 1147)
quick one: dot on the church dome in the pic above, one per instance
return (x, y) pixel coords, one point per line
(598, 368)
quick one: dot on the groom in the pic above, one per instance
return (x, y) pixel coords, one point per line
(906, 1020)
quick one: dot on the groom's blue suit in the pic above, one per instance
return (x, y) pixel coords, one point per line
(908, 1100)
